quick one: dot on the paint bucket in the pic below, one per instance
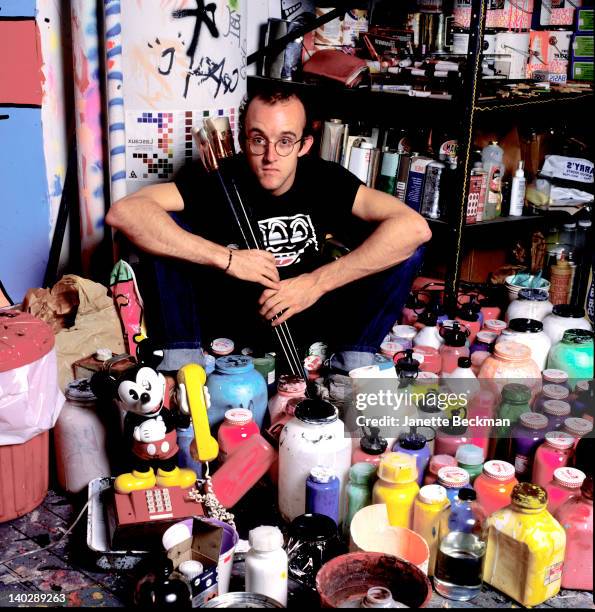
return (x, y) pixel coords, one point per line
(371, 532)
(516, 46)
(345, 580)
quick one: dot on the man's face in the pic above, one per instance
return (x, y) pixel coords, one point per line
(284, 120)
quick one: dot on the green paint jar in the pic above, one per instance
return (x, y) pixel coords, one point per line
(359, 489)
(470, 458)
(515, 401)
(573, 354)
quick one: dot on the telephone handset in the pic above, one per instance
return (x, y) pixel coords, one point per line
(193, 397)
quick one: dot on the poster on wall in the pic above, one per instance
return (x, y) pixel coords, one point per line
(181, 61)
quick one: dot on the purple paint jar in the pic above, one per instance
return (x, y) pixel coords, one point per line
(527, 435)
(550, 392)
(484, 341)
(557, 412)
(416, 445)
(322, 493)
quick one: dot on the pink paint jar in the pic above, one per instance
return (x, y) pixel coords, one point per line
(554, 453)
(236, 428)
(494, 485)
(389, 348)
(431, 362)
(565, 484)
(477, 359)
(289, 386)
(576, 516)
(437, 462)
(495, 325)
(454, 347)
(447, 444)
(482, 406)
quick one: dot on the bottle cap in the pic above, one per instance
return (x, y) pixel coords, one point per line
(569, 226)
(176, 534)
(322, 474)
(528, 495)
(454, 336)
(582, 386)
(265, 538)
(487, 337)
(534, 420)
(428, 318)
(412, 441)
(372, 443)
(499, 470)
(191, 569)
(470, 454)
(408, 332)
(222, 346)
(534, 295)
(569, 477)
(577, 336)
(453, 477)
(568, 311)
(559, 440)
(578, 427)
(103, 354)
(555, 392)
(290, 383)
(238, 416)
(398, 468)
(316, 412)
(464, 362)
(556, 377)
(362, 473)
(432, 494)
(512, 351)
(556, 408)
(439, 461)
(407, 366)
(516, 393)
(495, 325)
(526, 326)
(79, 390)
(467, 495)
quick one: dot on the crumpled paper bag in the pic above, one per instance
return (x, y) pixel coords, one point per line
(83, 317)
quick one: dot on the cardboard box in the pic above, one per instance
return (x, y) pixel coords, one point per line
(549, 59)
(87, 366)
(554, 13)
(203, 546)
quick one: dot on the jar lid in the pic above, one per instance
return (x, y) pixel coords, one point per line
(534, 295)
(568, 311)
(495, 325)
(530, 496)
(313, 363)
(487, 337)
(555, 392)
(265, 538)
(222, 346)
(437, 462)
(569, 477)
(412, 441)
(238, 416)
(79, 390)
(362, 472)
(234, 364)
(557, 377)
(103, 354)
(398, 468)
(404, 331)
(432, 494)
(512, 351)
(191, 569)
(534, 420)
(467, 495)
(526, 326)
(582, 386)
(559, 439)
(499, 470)
(584, 223)
(577, 336)
(516, 393)
(176, 534)
(390, 348)
(316, 412)
(470, 454)
(556, 408)
(322, 474)
(372, 443)
(578, 427)
(290, 383)
(453, 477)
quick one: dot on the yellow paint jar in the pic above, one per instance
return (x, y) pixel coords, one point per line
(526, 547)
(397, 488)
(427, 510)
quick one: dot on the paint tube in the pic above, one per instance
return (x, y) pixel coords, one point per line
(332, 138)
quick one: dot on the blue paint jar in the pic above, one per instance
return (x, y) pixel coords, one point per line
(462, 510)
(322, 493)
(185, 459)
(415, 444)
(236, 384)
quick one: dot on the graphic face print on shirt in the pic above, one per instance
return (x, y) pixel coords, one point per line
(288, 238)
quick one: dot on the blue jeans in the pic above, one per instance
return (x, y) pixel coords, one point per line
(187, 306)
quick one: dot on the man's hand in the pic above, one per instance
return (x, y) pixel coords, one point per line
(255, 266)
(293, 296)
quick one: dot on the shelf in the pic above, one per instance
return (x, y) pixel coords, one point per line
(547, 101)
(494, 223)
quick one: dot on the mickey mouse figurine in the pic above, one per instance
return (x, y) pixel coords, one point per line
(151, 426)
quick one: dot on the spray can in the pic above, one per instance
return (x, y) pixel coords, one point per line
(403, 175)
(430, 200)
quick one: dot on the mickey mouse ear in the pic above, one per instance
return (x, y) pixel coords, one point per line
(104, 385)
(148, 354)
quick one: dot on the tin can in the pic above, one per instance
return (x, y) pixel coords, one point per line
(403, 175)
(430, 201)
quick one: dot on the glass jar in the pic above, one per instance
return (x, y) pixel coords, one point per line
(484, 341)
(236, 428)
(453, 479)
(564, 317)
(574, 353)
(510, 361)
(514, 402)
(289, 386)
(530, 333)
(555, 452)
(494, 486)
(526, 545)
(565, 484)
(527, 435)
(530, 304)
(550, 392)
(577, 428)
(471, 458)
(556, 412)
(359, 490)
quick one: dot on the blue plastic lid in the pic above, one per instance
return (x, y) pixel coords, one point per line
(469, 454)
(234, 364)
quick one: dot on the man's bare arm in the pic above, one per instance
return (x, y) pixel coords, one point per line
(143, 217)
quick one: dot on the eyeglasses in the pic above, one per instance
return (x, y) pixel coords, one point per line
(284, 146)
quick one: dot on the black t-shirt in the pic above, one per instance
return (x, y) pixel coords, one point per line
(292, 226)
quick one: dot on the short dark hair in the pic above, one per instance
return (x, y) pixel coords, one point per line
(272, 93)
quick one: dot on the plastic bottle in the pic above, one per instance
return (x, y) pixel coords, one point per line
(492, 157)
(429, 334)
(482, 406)
(470, 458)
(459, 562)
(427, 511)
(237, 427)
(517, 195)
(429, 358)
(266, 564)
(565, 484)
(576, 516)
(359, 489)
(453, 479)
(437, 462)
(454, 347)
(526, 545)
(157, 591)
(574, 353)
(322, 492)
(494, 486)
(462, 380)
(555, 452)
(414, 444)
(371, 449)
(563, 318)
(448, 443)
(526, 436)
(397, 488)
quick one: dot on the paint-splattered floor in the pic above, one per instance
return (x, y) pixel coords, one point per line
(68, 572)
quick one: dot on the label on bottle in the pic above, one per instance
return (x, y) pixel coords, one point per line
(553, 573)
(271, 377)
(521, 464)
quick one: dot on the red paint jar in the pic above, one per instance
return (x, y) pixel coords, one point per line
(237, 427)
(494, 486)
